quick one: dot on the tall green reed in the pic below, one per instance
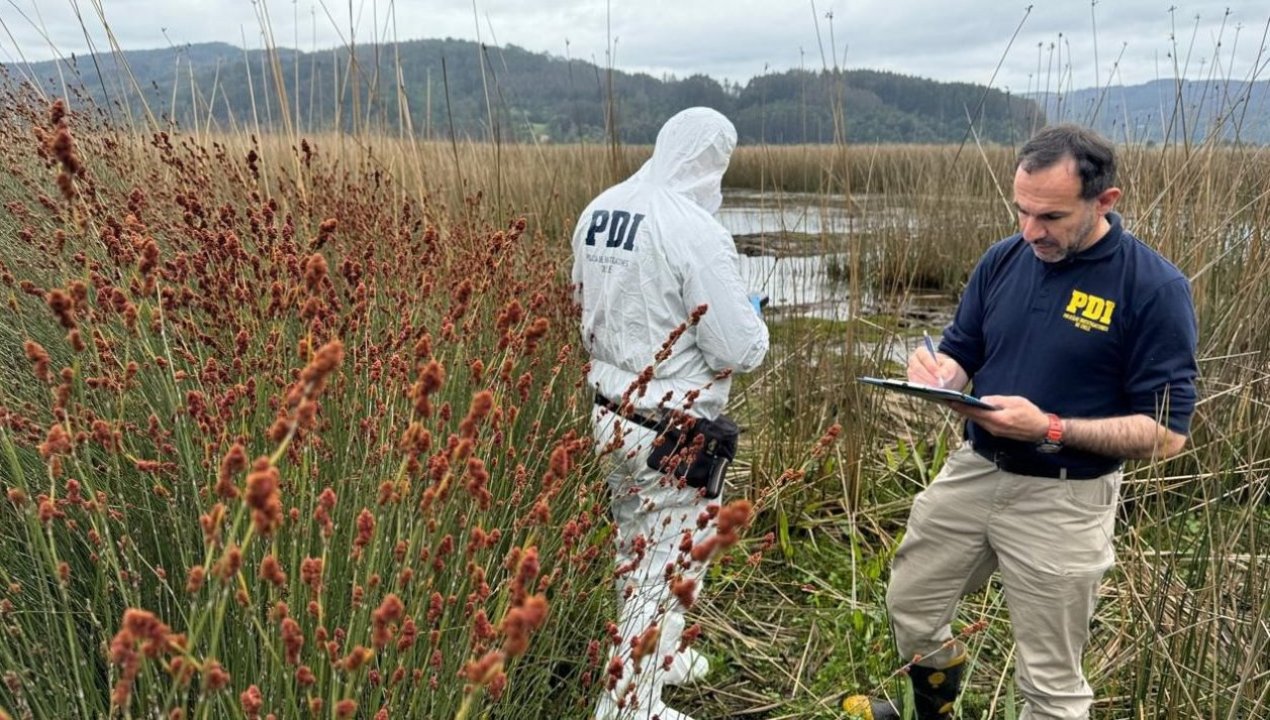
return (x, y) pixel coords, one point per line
(286, 437)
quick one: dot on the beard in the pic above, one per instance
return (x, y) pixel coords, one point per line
(1084, 234)
(1081, 238)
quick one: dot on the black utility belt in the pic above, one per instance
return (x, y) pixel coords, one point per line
(696, 450)
(1021, 466)
(655, 425)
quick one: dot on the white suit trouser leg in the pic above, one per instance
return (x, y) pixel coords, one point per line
(652, 517)
(1052, 541)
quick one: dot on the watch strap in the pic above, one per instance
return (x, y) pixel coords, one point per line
(1054, 434)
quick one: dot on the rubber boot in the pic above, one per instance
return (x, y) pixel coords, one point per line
(934, 694)
(935, 689)
(862, 707)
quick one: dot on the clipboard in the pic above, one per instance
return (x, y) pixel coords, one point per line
(927, 392)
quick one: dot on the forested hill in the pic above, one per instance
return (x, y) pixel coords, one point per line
(512, 94)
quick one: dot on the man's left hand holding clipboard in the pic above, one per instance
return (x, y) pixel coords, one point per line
(933, 376)
(928, 392)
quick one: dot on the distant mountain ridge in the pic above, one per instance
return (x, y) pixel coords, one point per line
(538, 95)
(1175, 110)
(541, 96)
(512, 94)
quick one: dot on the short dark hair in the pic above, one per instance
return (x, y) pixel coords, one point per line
(1094, 155)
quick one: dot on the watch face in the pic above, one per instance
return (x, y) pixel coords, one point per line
(1048, 446)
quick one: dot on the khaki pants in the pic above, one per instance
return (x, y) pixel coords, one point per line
(1050, 539)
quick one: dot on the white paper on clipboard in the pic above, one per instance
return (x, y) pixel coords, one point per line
(927, 392)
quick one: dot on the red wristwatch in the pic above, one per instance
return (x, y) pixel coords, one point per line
(1053, 440)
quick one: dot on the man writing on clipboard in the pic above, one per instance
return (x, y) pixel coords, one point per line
(1085, 339)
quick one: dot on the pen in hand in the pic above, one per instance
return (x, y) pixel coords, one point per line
(930, 347)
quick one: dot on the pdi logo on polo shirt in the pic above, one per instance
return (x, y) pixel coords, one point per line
(1089, 312)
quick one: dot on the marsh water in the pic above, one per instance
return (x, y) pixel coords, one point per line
(796, 248)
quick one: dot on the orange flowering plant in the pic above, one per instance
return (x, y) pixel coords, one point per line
(282, 437)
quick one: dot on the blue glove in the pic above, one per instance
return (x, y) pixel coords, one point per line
(757, 301)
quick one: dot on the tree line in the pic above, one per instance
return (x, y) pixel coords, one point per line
(443, 88)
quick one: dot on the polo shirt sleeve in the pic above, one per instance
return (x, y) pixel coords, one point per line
(963, 339)
(1161, 366)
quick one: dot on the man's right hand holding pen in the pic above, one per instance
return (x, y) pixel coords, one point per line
(928, 367)
(1015, 417)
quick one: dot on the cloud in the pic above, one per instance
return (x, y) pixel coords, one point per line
(1056, 46)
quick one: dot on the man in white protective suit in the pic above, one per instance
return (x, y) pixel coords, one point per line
(648, 254)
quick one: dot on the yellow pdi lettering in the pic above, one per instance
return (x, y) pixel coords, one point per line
(1106, 314)
(1078, 301)
(1091, 307)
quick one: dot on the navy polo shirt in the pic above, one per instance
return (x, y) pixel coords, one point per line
(1107, 332)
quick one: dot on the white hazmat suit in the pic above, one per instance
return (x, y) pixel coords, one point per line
(647, 254)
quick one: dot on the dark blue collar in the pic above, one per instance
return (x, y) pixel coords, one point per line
(1106, 247)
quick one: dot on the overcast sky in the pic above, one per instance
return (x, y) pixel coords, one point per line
(962, 40)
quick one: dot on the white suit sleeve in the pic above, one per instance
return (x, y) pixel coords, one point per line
(576, 279)
(731, 336)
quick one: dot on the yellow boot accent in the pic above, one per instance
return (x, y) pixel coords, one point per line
(858, 707)
(935, 689)
(863, 707)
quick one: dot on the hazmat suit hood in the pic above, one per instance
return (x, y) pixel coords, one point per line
(692, 152)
